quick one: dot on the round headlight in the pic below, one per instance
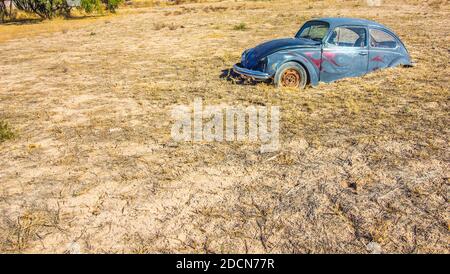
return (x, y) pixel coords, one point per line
(244, 54)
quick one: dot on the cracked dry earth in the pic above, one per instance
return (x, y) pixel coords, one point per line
(363, 162)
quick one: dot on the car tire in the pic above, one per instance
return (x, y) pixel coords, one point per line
(292, 75)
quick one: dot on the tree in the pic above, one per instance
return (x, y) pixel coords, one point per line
(4, 10)
(43, 8)
(50, 8)
(90, 5)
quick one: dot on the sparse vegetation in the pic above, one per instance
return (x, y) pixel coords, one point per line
(5, 131)
(112, 5)
(162, 25)
(5, 10)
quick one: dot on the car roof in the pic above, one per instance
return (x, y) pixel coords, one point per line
(339, 21)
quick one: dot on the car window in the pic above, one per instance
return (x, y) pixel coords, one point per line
(348, 37)
(382, 39)
(315, 31)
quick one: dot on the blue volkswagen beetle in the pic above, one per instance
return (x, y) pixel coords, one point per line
(324, 50)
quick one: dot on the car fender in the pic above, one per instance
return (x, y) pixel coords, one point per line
(275, 60)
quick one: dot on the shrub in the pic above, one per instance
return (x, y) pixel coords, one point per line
(5, 132)
(90, 5)
(51, 8)
(93, 5)
(3, 10)
(241, 26)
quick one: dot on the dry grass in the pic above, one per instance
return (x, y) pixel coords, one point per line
(362, 160)
(5, 131)
(35, 27)
(27, 25)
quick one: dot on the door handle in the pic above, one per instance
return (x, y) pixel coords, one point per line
(363, 53)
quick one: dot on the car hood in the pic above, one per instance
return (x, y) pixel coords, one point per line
(255, 54)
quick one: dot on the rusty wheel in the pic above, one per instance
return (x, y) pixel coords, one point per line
(290, 78)
(291, 75)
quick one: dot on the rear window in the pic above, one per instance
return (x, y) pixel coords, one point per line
(382, 39)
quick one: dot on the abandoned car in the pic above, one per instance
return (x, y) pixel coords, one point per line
(324, 50)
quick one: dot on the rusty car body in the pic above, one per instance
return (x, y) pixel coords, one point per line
(325, 50)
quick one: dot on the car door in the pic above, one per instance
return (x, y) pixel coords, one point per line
(383, 50)
(345, 53)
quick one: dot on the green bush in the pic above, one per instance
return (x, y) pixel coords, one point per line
(90, 5)
(5, 132)
(43, 8)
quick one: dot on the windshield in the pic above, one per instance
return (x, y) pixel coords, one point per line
(313, 30)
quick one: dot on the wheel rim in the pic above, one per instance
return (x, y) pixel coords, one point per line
(290, 78)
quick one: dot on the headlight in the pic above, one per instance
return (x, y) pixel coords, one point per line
(244, 54)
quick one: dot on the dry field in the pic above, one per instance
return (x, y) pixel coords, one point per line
(363, 164)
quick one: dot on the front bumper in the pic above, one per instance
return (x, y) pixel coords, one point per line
(258, 75)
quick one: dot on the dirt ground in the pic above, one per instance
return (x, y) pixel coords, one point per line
(363, 165)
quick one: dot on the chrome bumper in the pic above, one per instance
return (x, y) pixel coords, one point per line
(250, 73)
